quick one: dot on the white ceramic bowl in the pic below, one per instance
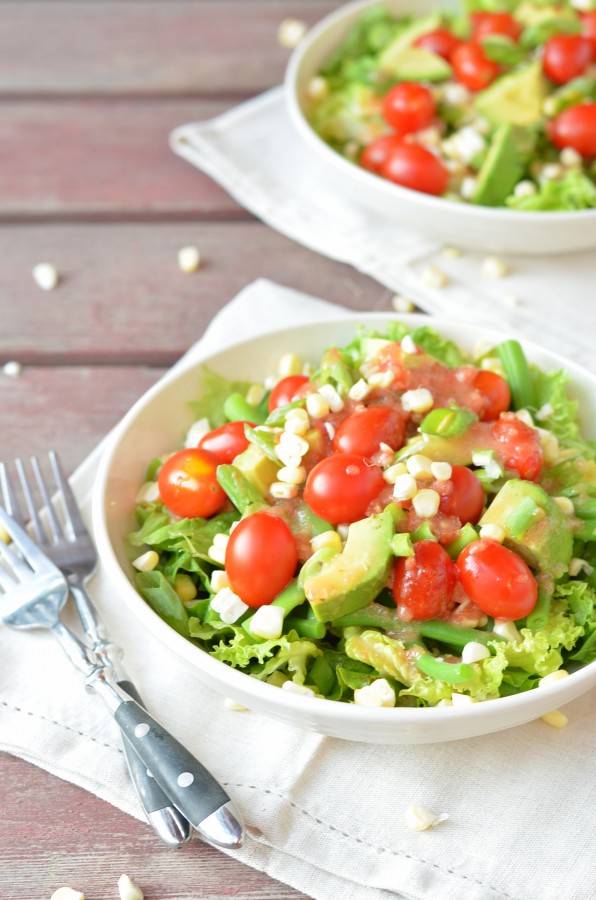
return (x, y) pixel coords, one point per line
(156, 425)
(500, 230)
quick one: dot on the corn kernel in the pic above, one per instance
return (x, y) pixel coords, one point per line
(292, 475)
(12, 368)
(507, 629)
(67, 893)
(325, 539)
(451, 252)
(408, 346)
(393, 471)
(282, 491)
(229, 605)
(435, 277)
(297, 421)
(197, 431)
(148, 493)
(402, 304)
(419, 818)
(255, 394)
(217, 554)
(442, 471)
(494, 267)
(359, 390)
(289, 364)
(474, 651)
(128, 890)
(292, 443)
(317, 88)
(417, 464)
(493, 532)
(221, 540)
(268, 622)
(570, 158)
(461, 699)
(426, 503)
(291, 32)
(292, 688)
(219, 580)
(565, 504)
(378, 693)
(146, 562)
(380, 379)
(336, 404)
(553, 677)
(45, 276)
(418, 400)
(185, 587)
(405, 487)
(189, 259)
(233, 705)
(556, 719)
(317, 406)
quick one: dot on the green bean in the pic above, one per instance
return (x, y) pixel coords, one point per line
(306, 628)
(321, 674)
(236, 408)
(239, 489)
(518, 374)
(452, 673)
(454, 635)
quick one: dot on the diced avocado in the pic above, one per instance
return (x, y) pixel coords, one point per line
(260, 471)
(418, 64)
(504, 166)
(403, 61)
(528, 13)
(353, 578)
(535, 526)
(514, 99)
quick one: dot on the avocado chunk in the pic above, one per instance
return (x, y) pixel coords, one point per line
(352, 579)
(514, 99)
(535, 526)
(529, 13)
(258, 469)
(403, 61)
(504, 165)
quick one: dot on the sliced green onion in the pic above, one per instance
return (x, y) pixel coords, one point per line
(518, 374)
(466, 536)
(401, 545)
(266, 441)
(521, 517)
(448, 422)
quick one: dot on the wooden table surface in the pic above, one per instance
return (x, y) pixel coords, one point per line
(88, 93)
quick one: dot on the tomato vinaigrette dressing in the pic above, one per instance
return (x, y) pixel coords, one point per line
(399, 509)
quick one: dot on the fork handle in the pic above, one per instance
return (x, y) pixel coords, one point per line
(188, 784)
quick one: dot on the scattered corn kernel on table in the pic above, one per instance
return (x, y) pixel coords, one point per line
(89, 92)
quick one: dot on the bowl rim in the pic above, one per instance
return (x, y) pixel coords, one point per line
(370, 180)
(233, 681)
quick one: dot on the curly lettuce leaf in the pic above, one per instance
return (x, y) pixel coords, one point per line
(433, 343)
(214, 390)
(574, 191)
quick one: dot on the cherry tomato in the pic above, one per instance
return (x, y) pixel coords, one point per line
(363, 431)
(375, 155)
(440, 41)
(261, 558)
(566, 56)
(465, 497)
(497, 580)
(518, 446)
(227, 441)
(496, 391)
(340, 488)
(576, 127)
(285, 390)
(472, 67)
(414, 167)
(588, 20)
(484, 24)
(409, 107)
(423, 584)
(188, 484)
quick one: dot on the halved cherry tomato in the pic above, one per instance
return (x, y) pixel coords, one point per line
(496, 390)
(441, 41)
(497, 580)
(518, 446)
(588, 20)
(414, 167)
(423, 584)
(472, 67)
(227, 441)
(261, 558)
(375, 155)
(566, 56)
(463, 496)
(484, 24)
(364, 430)
(285, 390)
(409, 107)
(340, 488)
(576, 127)
(188, 484)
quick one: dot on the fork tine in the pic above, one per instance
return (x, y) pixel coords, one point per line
(69, 504)
(9, 496)
(55, 526)
(29, 549)
(40, 534)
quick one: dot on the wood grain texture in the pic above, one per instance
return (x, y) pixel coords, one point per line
(123, 298)
(153, 47)
(103, 158)
(88, 848)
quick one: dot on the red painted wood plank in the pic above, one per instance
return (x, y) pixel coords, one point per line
(182, 46)
(123, 298)
(53, 833)
(103, 158)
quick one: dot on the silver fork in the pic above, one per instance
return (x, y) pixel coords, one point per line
(75, 555)
(35, 591)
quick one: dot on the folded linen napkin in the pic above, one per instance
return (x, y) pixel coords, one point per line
(254, 152)
(323, 815)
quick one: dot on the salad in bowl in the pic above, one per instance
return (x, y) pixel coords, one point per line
(397, 522)
(491, 104)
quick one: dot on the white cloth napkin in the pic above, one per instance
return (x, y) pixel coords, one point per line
(323, 815)
(254, 152)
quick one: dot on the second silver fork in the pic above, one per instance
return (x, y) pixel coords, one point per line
(71, 549)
